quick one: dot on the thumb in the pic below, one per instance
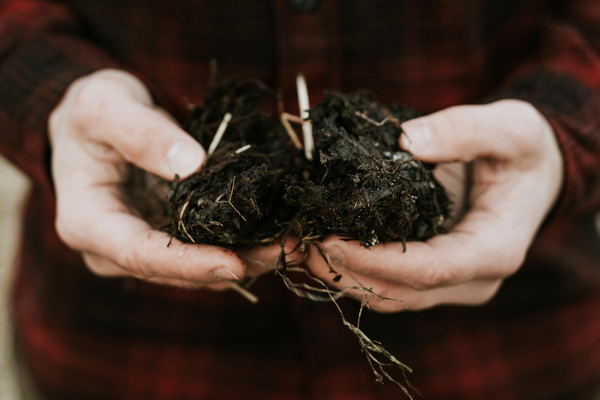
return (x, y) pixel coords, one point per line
(466, 132)
(114, 108)
(149, 139)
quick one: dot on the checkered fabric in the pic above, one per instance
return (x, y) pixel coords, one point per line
(85, 337)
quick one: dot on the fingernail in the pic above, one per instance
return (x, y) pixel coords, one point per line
(184, 158)
(336, 256)
(417, 135)
(224, 273)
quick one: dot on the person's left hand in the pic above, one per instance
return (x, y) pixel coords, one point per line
(516, 177)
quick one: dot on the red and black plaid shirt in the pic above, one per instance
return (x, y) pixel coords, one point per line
(85, 337)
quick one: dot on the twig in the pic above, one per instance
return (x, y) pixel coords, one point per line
(328, 262)
(183, 209)
(285, 120)
(369, 347)
(205, 227)
(394, 120)
(305, 290)
(378, 124)
(293, 118)
(231, 204)
(249, 296)
(255, 206)
(180, 224)
(306, 124)
(219, 134)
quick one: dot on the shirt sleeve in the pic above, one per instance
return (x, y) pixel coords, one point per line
(563, 83)
(41, 54)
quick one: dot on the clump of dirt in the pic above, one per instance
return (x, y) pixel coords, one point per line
(362, 185)
(235, 200)
(256, 186)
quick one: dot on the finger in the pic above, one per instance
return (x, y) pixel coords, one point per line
(147, 253)
(146, 138)
(478, 247)
(403, 298)
(120, 115)
(107, 269)
(97, 222)
(191, 285)
(384, 296)
(92, 217)
(489, 242)
(463, 133)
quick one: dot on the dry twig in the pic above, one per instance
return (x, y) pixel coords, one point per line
(231, 204)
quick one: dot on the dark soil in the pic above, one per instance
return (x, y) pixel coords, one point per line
(360, 185)
(235, 200)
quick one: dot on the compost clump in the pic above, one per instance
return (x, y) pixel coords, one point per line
(258, 186)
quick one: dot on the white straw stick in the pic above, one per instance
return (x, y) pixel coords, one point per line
(243, 148)
(219, 134)
(306, 125)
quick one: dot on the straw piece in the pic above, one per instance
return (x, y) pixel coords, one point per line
(219, 134)
(306, 125)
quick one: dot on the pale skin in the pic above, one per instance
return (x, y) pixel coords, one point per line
(107, 121)
(517, 173)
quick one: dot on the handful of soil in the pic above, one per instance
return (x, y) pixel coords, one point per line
(256, 187)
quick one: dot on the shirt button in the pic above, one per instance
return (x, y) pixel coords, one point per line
(304, 6)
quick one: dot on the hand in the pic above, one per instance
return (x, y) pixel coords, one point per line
(516, 177)
(105, 122)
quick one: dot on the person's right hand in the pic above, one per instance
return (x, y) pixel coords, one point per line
(105, 122)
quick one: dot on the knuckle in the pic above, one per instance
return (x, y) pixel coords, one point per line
(527, 126)
(524, 110)
(139, 139)
(89, 105)
(93, 98)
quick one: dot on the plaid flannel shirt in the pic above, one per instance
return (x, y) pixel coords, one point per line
(85, 337)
